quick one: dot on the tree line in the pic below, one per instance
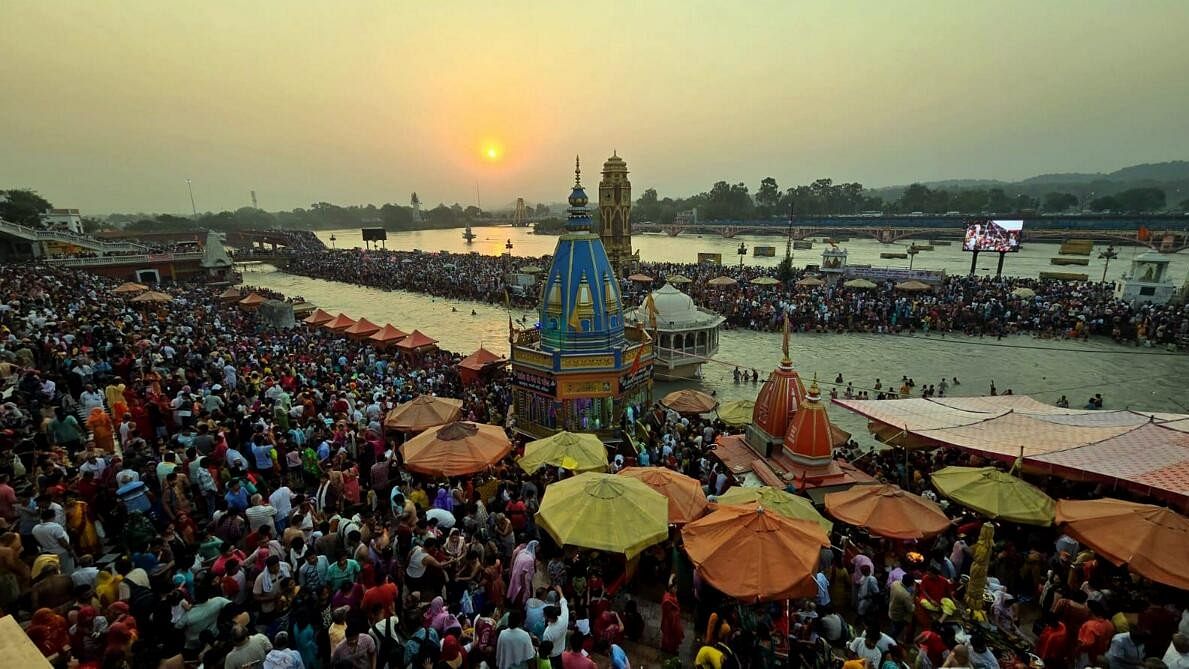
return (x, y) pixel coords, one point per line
(823, 197)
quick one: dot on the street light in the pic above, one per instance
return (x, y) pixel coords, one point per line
(1108, 255)
(332, 241)
(742, 252)
(193, 207)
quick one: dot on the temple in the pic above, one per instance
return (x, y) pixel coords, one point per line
(686, 334)
(615, 213)
(790, 442)
(579, 368)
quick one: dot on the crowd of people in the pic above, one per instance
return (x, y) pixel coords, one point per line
(181, 484)
(959, 304)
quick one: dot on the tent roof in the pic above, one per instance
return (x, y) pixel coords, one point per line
(363, 327)
(254, 298)
(340, 322)
(479, 359)
(318, 317)
(416, 340)
(388, 333)
(1143, 451)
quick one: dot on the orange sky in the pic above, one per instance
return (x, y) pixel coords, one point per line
(110, 106)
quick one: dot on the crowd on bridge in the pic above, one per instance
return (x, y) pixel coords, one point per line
(280, 528)
(958, 304)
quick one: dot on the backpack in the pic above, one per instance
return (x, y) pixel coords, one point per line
(389, 651)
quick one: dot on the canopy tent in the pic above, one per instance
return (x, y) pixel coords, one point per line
(736, 412)
(913, 286)
(152, 296)
(861, 284)
(995, 494)
(339, 323)
(387, 336)
(319, 317)
(765, 281)
(253, 301)
(417, 342)
(456, 449)
(422, 413)
(232, 294)
(776, 501)
(687, 502)
(130, 287)
(640, 278)
(689, 401)
(678, 279)
(1144, 452)
(810, 282)
(1151, 540)
(754, 555)
(604, 512)
(720, 281)
(472, 367)
(577, 452)
(362, 329)
(887, 511)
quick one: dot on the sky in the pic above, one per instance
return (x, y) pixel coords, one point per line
(111, 106)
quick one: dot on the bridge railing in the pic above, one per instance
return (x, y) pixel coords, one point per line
(27, 232)
(132, 259)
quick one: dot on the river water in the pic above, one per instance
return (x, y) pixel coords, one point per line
(1127, 377)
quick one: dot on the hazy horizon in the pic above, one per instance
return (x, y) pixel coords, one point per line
(111, 106)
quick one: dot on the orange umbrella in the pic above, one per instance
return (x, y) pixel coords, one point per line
(689, 401)
(887, 511)
(318, 318)
(387, 335)
(253, 301)
(424, 412)
(754, 555)
(456, 449)
(131, 287)
(152, 296)
(339, 323)
(687, 502)
(362, 329)
(640, 278)
(1151, 540)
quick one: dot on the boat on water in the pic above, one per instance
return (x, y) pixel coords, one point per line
(889, 255)
(1063, 276)
(468, 234)
(803, 245)
(1069, 261)
(941, 243)
(922, 247)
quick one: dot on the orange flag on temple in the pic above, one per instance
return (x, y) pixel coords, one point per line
(636, 363)
(1143, 235)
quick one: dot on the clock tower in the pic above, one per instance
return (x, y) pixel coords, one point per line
(615, 208)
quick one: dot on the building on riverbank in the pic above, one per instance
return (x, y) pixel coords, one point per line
(580, 367)
(686, 335)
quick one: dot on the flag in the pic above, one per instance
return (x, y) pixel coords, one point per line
(785, 344)
(650, 307)
(636, 363)
(510, 330)
(1143, 235)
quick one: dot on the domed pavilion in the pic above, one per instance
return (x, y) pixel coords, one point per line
(686, 335)
(579, 368)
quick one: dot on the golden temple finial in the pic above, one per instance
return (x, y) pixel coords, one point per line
(814, 391)
(577, 172)
(785, 344)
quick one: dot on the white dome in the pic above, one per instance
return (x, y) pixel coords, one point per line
(675, 310)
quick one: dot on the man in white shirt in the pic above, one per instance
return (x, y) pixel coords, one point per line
(261, 514)
(51, 537)
(1177, 656)
(281, 499)
(90, 399)
(557, 621)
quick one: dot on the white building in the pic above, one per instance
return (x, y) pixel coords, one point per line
(686, 335)
(66, 220)
(1146, 281)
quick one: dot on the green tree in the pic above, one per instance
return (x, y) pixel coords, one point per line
(1141, 199)
(1054, 202)
(997, 201)
(1025, 202)
(768, 196)
(23, 206)
(1184, 205)
(1106, 203)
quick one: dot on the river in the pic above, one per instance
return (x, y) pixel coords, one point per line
(1140, 378)
(684, 248)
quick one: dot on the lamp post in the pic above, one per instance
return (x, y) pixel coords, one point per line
(742, 252)
(332, 241)
(193, 207)
(1108, 255)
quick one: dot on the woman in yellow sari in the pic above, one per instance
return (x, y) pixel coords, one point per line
(82, 529)
(99, 423)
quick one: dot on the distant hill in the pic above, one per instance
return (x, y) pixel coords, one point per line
(1170, 176)
(1175, 170)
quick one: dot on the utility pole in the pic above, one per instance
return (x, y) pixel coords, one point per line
(193, 207)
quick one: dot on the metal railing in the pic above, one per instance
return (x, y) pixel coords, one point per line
(134, 259)
(25, 232)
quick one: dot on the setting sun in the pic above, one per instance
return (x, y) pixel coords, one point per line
(492, 153)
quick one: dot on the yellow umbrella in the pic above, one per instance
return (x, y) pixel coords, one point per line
(862, 284)
(678, 279)
(810, 282)
(1024, 292)
(129, 288)
(764, 281)
(776, 501)
(722, 281)
(995, 494)
(736, 412)
(978, 568)
(640, 278)
(604, 512)
(913, 286)
(576, 452)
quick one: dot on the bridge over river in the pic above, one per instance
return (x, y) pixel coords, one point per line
(1167, 233)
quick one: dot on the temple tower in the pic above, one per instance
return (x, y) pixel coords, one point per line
(615, 208)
